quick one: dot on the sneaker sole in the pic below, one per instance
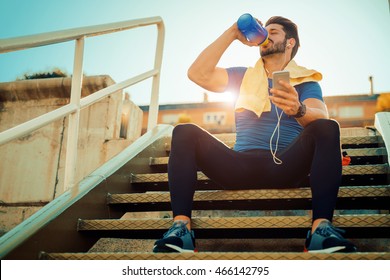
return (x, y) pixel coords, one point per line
(169, 248)
(178, 249)
(327, 250)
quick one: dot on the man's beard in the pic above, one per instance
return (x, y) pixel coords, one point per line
(276, 48)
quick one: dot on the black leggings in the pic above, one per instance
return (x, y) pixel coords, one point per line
(316, 151)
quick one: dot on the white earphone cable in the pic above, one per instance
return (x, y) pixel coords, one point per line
(277, 128)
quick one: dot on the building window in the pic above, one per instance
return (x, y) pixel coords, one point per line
(351, 112)
(218, 118)
(170, 119)
(332, 112)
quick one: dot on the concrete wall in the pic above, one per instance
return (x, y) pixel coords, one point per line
(32, 167)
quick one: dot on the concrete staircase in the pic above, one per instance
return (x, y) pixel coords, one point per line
(244, 224)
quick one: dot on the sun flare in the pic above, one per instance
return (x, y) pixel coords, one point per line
(227, 97)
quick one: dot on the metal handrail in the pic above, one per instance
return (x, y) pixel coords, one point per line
(49, 38)
(72, 110)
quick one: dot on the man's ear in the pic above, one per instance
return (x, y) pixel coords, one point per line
(291, 43)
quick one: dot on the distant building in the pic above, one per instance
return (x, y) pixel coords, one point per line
(213, 116)
(352, 110)
(218, 117)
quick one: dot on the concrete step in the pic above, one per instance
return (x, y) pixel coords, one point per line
(247, 195)
(216, 256)
(366, 152)
(346, 221)
(292, 245)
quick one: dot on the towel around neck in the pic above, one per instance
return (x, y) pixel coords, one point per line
(254, 94)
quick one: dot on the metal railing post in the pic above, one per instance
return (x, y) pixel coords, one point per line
(153, 107)
(74, 118)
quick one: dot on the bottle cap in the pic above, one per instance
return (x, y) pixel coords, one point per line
(265, 42)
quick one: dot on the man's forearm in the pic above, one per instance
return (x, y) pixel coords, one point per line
(314, 110)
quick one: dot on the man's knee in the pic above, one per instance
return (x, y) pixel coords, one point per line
(185, 128)
(185, 131)
(325, 127)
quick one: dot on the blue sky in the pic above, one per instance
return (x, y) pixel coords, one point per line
(346, 40)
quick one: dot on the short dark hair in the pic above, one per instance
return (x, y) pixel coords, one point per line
(289, 27)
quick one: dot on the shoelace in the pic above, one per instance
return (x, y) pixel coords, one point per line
(329, 230)
(178, 229)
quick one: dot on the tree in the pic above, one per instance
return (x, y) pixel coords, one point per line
(55, 73)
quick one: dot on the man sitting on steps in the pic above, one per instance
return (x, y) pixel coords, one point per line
(307, 142)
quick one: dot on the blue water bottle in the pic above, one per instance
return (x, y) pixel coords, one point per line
(252, 30)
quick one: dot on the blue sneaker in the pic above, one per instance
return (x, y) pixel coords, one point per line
(178, 239)
(327, 239)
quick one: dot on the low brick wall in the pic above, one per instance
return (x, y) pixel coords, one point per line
(32, 167)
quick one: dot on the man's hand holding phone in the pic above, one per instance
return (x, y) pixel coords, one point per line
(284, 96)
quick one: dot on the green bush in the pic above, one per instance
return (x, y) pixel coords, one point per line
(56, 73)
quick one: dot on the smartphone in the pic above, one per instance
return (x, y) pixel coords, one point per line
(280, 75)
